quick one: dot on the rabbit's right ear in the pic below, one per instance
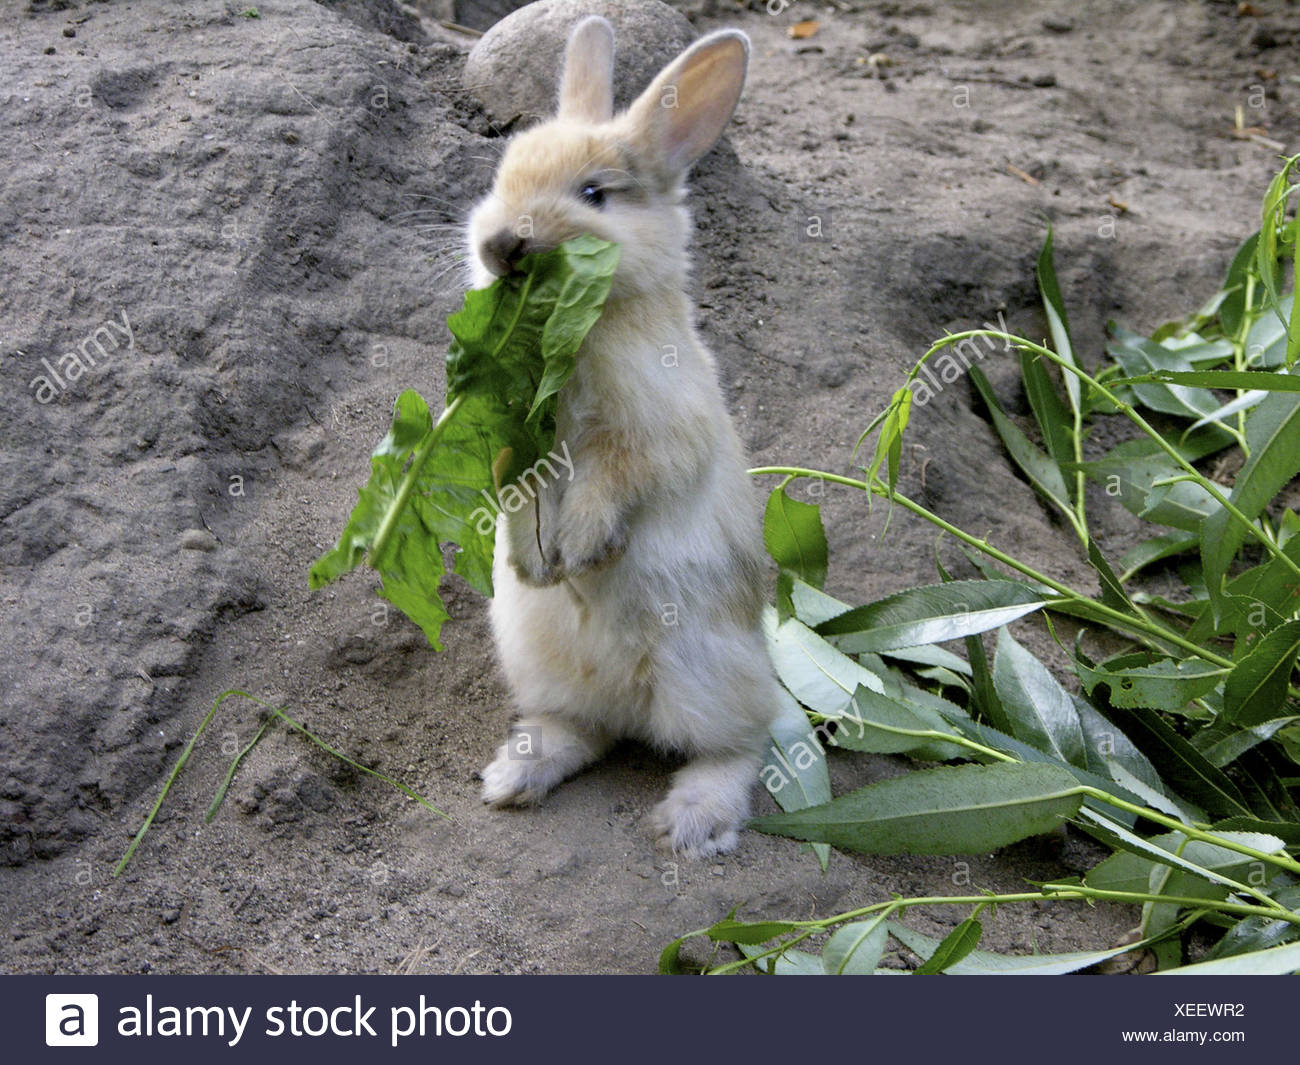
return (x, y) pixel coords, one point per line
(587, 86)
(685, 109)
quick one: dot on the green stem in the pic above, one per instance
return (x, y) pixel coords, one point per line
(1064, 892)
(410, 478)
(1116, 617)
(1282, 861)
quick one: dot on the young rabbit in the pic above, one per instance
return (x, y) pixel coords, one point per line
(629, 595)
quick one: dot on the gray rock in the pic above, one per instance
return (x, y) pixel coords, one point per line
(514, 69)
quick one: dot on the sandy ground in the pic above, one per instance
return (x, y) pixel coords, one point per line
(266, 207)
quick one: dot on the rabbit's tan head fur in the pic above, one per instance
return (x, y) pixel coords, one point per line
(617, 177)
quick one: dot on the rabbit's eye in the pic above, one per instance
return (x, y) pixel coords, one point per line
(593, 194)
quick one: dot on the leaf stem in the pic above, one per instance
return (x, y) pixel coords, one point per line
(410, 478)
(1115, 617)
(1281, 861)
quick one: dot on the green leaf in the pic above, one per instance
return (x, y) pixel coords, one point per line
(1164, 684)
(1139, 357)
(1287, 831)
(1043, 473)
(929, 655)
(878, 724)
(1112, 590)
(986, 963)
(1276, 961)
(955, 946)
(1129, 472)
(854, 949)
(730, 931)
(1233, 308)
(819, 676)
(811, 605)
(1181, 766)
(1053, 419)
(1222, 743)
(1202, 860)
(670, 963)
(1039, 709)
(1001, 741)
(968, 809)
(1273, 433)
(514, 345)
(793, 534)
(1157, 549)
(930, 614)
(889, 445)
(1256, 689)
(1058, 323)
(1258, 933)
(794, 769)
(1108, 747)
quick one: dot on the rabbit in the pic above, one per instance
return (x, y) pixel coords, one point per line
(629, 594)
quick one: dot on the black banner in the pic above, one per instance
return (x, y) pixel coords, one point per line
(323, 1019)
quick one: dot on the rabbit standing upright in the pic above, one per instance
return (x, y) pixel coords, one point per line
(629, 595)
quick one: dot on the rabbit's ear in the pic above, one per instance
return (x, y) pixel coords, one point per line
(685, 109)
(587, 86)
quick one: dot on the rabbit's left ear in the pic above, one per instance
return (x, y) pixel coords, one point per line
(587, 86)
(683, 112)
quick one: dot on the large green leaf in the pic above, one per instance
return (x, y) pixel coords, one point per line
(514, 345)
(1040, 711)
(1222, 743)
(930, 614)
(1205, 861)
(1157, 549)
(1256, 689)
(1140, 356)
(1273, 433)
(968, 809)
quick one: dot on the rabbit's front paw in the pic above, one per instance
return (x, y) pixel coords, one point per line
(536, 572)
(580, 548)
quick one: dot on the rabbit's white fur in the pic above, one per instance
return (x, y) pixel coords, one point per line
(628, 599)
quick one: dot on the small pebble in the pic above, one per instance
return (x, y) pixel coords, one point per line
(198, 540)
(1058, 24)
(68, 31)
(1044, 81)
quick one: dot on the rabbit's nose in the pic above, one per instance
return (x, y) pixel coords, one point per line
(502, 251)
